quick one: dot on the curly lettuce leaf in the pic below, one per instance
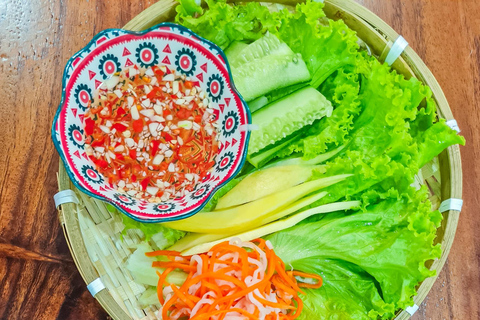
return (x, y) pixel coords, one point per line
(391, 241)
(223, 23)
(188, 8)
(432, 137)
(160, 236)
(325, 45)
(392, 138)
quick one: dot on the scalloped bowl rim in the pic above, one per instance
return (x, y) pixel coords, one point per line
(62, 104)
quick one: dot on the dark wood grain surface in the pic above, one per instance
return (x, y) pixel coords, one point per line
(38, 279)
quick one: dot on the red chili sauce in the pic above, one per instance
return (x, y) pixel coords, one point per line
(151, 133)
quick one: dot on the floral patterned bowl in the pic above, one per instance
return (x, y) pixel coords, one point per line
(165, 44)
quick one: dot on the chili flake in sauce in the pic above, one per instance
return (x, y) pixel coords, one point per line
(151, 133)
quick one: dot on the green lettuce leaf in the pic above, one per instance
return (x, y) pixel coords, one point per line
(432, 137)
(325, 45)
(188, 8)
(160, 236)
(392, 138)
(391, 241)
(223, 23)
(348, 292)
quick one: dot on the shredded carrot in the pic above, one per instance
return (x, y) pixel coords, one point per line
(166, 306)
(273, 304)
(161, 280)
(213, 287)
(183, 297)
(233, 278)
(289, 279)
(299, 307)
(311, 276)
(277, 281)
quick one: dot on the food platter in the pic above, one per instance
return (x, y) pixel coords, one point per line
(93, 234)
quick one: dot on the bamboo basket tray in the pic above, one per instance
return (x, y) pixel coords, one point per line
(93, 233)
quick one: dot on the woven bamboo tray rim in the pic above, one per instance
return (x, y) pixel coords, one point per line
(91, 223)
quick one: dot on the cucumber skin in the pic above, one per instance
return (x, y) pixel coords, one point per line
(260, 159)
(256, 78)
(257, 104)
(233, 51)
(273, 96)
(285, 116)
(268, 45)
(283, 92)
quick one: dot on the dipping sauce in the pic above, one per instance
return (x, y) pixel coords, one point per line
(151, 133)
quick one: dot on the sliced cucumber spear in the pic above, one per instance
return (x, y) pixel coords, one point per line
(300, 161)
(257, 78)
(140, 266)
(265, 65)
(149, 297)
(275, 226)
(264, 156)
(234, 50)
(285, 116)
(261, 158)
(269, 45)
(273, 96)
(252, 214)
(257, 104)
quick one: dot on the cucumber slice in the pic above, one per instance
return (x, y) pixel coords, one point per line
(265, 65)
(268, 45)
(257, 104)
(234, 50)
(261, 76)
(140, 267)
(149, 297)
(274, 95)
(284, 117)
(315, 161)
(259, 159)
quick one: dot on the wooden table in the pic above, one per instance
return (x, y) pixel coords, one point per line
(38, 279)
